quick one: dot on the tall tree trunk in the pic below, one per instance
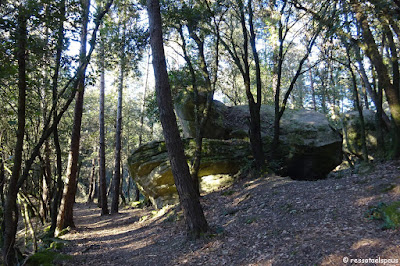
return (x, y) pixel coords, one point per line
(255, 128)
(11, 210)
(59, 183)
(102, 149)
(136, 196)
(193, 212)
(195, 165)
(117, 169)
(278, 80)
(372, 93)
(65, 215)
(254, 106)
(359, 109)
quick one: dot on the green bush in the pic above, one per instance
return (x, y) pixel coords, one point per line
(388, 213)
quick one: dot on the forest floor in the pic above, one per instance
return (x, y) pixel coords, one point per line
(266, 221)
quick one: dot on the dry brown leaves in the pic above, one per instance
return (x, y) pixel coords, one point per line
(268, 221)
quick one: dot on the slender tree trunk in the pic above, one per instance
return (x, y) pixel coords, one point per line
(59, 184)
(254, 107)
(46, 182)
(393, 56)
(359, 109)
(195, 165)
(379, 122)
(102, 153)
(92, 182)
(372, 93)
(255, 128)
(117, 169)
(193, 212)
(11, 210)
(28, 221)
(141, 132)
(278, 73)
(65, 215)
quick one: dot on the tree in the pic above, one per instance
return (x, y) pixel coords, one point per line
(117, 167)
(65, 215)
(66, 96)
(11, 210)
(283, 30)
(199, 19)
(193, 212)
(102, 155)
(242, 61)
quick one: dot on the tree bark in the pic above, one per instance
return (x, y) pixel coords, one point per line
(117, 169)
(11, 210)
(193, 212)
(102, 153)
(59, 183)
(359, 109)
(92, 182)
(65, 215)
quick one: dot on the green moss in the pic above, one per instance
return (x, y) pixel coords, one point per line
(46, 258)
(388, 213)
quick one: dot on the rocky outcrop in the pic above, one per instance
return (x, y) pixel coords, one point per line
(309, 147)
(150, 167)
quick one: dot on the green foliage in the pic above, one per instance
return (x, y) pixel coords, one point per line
(64, 231)
(388, 213)
(46, 258)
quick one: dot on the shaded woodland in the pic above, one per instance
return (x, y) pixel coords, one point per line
(85, 83)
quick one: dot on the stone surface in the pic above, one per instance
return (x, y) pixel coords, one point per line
(150, 168)
(309, 147)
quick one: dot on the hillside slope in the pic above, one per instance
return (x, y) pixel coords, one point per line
(266, 221)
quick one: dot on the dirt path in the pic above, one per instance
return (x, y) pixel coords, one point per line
(268, 221)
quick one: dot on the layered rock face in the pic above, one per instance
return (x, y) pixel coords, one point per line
(150, 167)
(309, 149)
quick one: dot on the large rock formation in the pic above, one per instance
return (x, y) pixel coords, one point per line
(149, 166)
(309, 147)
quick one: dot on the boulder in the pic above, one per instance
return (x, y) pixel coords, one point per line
(150, 167)
(309, 149)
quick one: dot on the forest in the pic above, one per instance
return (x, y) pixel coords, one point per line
(199, 132)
